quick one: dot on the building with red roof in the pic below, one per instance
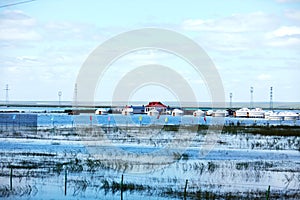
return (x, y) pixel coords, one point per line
(160, 107)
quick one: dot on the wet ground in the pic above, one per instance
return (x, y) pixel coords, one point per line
(156, 163)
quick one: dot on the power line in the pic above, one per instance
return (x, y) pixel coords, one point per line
(17, 3)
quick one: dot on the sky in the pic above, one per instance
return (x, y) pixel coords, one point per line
(253, 43)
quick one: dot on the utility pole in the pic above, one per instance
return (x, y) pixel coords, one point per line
(6, 98)
(230, 95)
(75, 95)
(59, 97)
(251, 98)
(271, 98)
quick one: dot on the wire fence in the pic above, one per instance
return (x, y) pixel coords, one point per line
(123, 186)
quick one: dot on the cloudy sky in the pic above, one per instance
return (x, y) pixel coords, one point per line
(252, 43)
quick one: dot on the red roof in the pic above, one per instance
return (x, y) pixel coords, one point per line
(156, 104)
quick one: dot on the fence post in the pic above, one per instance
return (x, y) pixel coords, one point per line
(66, 179)
(10, 179)
(185, 187)
(121, 187)
(268, 193)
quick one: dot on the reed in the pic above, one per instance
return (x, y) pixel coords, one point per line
(280, 130)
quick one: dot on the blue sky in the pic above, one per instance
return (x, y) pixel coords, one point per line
(252, 43)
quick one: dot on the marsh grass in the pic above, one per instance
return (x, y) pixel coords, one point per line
(280, 130)
(211, 167)
(79, 186)
(88, 166)
(179, 156)
(36, 164)
(255, 166)
(172, 193)
(206, 194)
(20, 191)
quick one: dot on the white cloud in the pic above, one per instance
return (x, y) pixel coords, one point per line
(41, 55)
(264, 77)
(293, 15)
(228, 41)
(284, 42)
(284, 36)
(287, 31)
(53, 62)
(18, 34)
(238, 32)
(16, 25)
(235, 23)
(63, 30)
(288, 1)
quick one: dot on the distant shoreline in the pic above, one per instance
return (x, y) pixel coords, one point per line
(201, 105)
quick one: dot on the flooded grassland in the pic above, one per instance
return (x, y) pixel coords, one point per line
(97, 161)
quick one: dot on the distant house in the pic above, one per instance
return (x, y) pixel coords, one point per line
(156, 105)
(153, 112)
(220, 113)
(101, 111)
(128, 110)
(243, 112)
(199, 113)
(177, 112)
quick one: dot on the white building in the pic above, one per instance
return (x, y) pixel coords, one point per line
(198, 113)
(101, 111)
(153, 112)
(127, 111)
(257, 113)
(220, 113)
(177, 112)
(243, 112)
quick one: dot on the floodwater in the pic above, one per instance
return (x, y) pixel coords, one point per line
(83, 157)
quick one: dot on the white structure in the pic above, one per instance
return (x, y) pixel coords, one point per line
(209, 112)
(160, 107)
(274, 116)
(243, 112)
(220, 113)
(256, 113)
(101, 111)
(253, 113)
(127, 111)
(177, 112)
(168, 112)
(287, 115)
(267, 114)
(153, 112)
(198, 113)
